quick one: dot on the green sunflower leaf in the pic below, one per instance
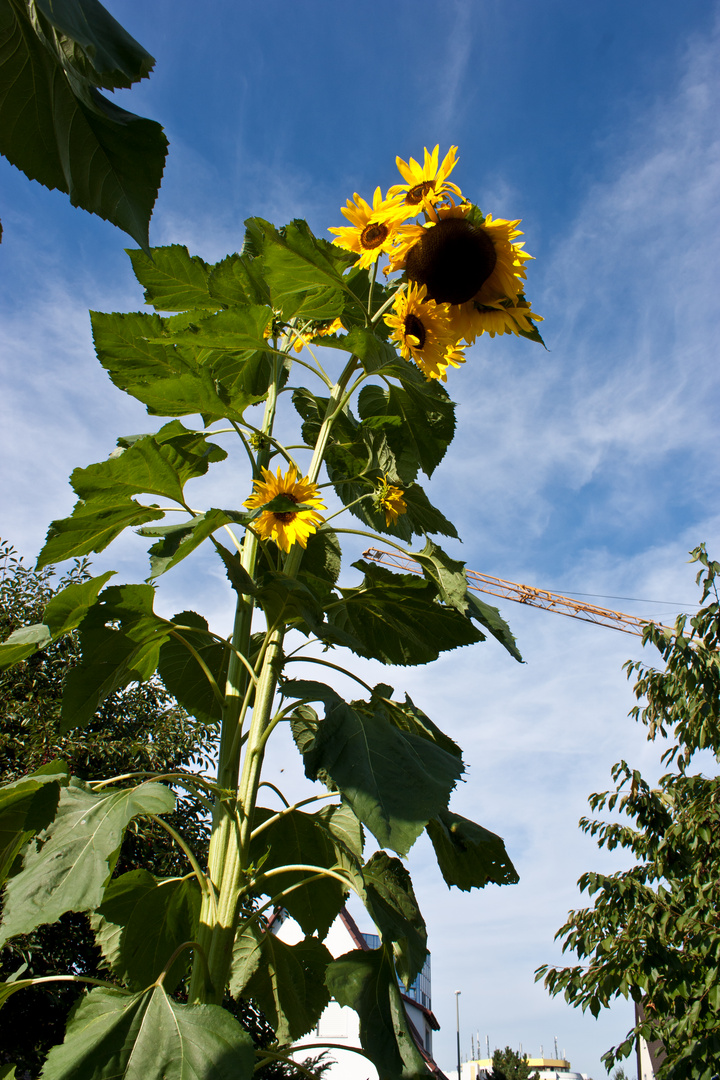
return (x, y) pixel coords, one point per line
(288, 984)
(170, 380)
(237, 329)
(120, 638)
(23, 643)
(299, 838)
(320, 567)
(57, 128)
(366, 981)
(71, 868)
(178, 541)
(140, 924)
(397, 619)
(408, 717)
(27, 807)
(370, 347)
(238, 279)
(303, 273)
(92, 528)
(159, 464)
(173, 279)
(237, 575)
(149, 1035)
(447, 574)
(67, 608)
(489, 617)
(185, 676)
(393, 780)
(390, 902)
(417, 417)
(468, 855)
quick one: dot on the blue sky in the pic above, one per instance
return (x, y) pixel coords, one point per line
(591, 467)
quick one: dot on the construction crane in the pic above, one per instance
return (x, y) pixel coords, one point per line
(525, 594)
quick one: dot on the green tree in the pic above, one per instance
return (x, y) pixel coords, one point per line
(507, 1065)
(652, 933)
(138, 729)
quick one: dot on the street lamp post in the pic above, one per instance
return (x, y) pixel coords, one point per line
(457, 1016)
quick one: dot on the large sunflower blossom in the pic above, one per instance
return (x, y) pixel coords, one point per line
(389, 500)
(373, 228)
(427, 183)
(478, 269)
(424, 332)
(290, 526)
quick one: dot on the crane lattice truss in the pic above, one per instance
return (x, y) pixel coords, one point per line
(524, 594)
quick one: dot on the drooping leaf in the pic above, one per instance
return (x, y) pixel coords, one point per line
(390, 901)
(394, 781)
(159, 464)
(468, 855)
(150, 1036)
(321, 563)
(418, 416)
(366, 981)
(298, 838)
(288, 983)
(92, 528)
(184, 675)
(237, 575)
(69, 870)
(140, 924)
(448, 574)
(180, 540)
(27, 807)
(343, 826)
(57, 128)
(173, 279)
(407, 716)
(120, 639)
(489, 617)
(397, 618)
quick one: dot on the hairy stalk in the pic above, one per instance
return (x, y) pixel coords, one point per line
(230, 840)
(236, 685)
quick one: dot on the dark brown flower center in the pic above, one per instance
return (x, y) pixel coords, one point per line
(286, 516)
(415, 328)
(373, 235)
(416, 194)
(453, 259)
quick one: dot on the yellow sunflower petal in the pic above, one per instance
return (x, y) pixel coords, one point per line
(287, 527)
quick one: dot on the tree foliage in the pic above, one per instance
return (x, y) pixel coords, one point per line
(652, 932)
(507, 1065)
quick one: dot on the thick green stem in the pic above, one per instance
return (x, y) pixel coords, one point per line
(223, 826)
(230, 841)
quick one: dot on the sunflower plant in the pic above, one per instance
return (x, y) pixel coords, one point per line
(225, 342)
